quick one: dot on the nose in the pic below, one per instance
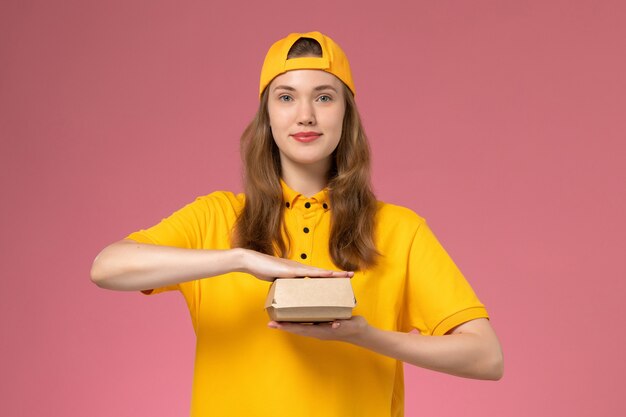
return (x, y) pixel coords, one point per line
(306, 114)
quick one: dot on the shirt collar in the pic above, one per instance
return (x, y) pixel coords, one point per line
(291, 197)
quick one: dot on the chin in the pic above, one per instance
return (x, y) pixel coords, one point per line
(308, 159)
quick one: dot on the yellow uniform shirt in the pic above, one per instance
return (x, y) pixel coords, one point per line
(243, 368)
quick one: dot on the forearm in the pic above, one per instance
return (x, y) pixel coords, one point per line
(131, 266)
(464, 354)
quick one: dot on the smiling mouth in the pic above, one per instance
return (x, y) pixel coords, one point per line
(306, 136)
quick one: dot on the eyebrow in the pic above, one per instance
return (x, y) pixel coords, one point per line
(318, 88)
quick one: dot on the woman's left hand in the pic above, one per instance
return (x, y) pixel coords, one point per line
(341, 330)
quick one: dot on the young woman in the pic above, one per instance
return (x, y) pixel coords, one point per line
(308, 210)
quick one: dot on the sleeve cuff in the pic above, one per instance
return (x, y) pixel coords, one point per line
(458, 318)
(140, 238)
(159, 290)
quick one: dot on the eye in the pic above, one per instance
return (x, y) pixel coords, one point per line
(325, 98)
(284, 98)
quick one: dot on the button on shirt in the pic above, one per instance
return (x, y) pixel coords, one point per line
(244, 368)
(304, 215)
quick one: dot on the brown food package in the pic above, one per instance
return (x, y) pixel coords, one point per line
(310, 300)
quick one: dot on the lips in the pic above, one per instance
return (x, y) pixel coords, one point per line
(306, 136)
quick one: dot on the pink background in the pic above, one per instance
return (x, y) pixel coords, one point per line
(501, 122)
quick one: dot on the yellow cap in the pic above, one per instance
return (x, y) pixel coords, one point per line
(333, 60)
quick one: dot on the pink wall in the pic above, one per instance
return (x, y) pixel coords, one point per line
(501, 122)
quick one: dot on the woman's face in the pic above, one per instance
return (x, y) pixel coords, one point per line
(306, 109)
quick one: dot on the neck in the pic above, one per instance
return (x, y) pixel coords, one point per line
(306, 179)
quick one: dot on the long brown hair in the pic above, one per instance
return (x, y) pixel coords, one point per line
(260, 225)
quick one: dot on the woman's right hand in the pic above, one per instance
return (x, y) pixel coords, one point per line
(268, 268)
(127, 265)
